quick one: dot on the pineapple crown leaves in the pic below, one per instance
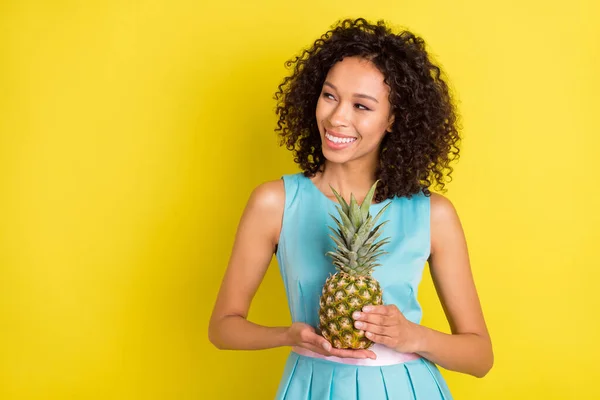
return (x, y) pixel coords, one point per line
(352, 208)
(355, 237)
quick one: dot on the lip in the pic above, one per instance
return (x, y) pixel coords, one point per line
(333, 133)
(338, 146)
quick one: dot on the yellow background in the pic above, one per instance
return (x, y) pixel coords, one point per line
(132, 133)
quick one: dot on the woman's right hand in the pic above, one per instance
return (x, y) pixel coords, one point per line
(304, 335)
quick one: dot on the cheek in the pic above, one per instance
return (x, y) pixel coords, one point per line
(372, 129)
(320, 112)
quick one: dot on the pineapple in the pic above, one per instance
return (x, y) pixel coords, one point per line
(352, 287)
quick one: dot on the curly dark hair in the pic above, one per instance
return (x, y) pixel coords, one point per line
(424, 138)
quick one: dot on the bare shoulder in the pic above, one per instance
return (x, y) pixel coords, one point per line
(442, 210)
(264, 210)
(268, 196)
(446, 229)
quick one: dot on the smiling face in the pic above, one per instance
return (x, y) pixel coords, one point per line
(353, 111)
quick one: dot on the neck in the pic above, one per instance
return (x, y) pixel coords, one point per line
(345, 179)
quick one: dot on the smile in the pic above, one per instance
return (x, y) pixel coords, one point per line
(336, 139)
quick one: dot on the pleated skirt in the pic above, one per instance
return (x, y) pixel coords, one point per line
(309, 378)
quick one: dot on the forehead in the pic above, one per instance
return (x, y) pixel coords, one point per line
(357, 75)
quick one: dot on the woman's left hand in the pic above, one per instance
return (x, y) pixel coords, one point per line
(387, 325)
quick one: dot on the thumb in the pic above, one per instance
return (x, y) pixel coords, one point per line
(312, 337)
(321, 342)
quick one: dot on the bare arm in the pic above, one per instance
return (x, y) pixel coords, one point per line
(468, 349)
(253, 249)
(257, 235)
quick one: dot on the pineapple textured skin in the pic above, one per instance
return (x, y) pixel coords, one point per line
(342, 295)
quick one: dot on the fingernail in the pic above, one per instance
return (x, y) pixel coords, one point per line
(326, 346)
(367, 309)
(356, 315)
(358, 324)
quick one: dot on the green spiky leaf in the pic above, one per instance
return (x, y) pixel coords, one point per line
(356, 236)
(355, 215)
(366, 204)
(341, 201)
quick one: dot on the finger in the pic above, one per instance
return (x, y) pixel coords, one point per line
(382, 339)
(374, 328)
(376, 319)
(321, 342)
(345, 353)
(348, 353)
(312, 338)
(316, 349)
(386, 309)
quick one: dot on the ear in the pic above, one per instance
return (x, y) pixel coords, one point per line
(390, 123)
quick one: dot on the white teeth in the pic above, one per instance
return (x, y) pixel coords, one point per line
(335, 139)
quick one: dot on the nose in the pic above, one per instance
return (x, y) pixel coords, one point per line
(339, 115)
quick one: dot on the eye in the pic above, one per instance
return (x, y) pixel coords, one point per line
(361, 107)
(328, 96)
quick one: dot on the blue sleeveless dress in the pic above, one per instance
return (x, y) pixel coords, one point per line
(303, 242)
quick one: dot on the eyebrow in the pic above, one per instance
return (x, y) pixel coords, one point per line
(365, 96)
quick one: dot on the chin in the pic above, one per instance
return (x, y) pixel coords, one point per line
(335, 157)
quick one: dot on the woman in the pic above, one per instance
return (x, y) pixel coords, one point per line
(362, 105)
